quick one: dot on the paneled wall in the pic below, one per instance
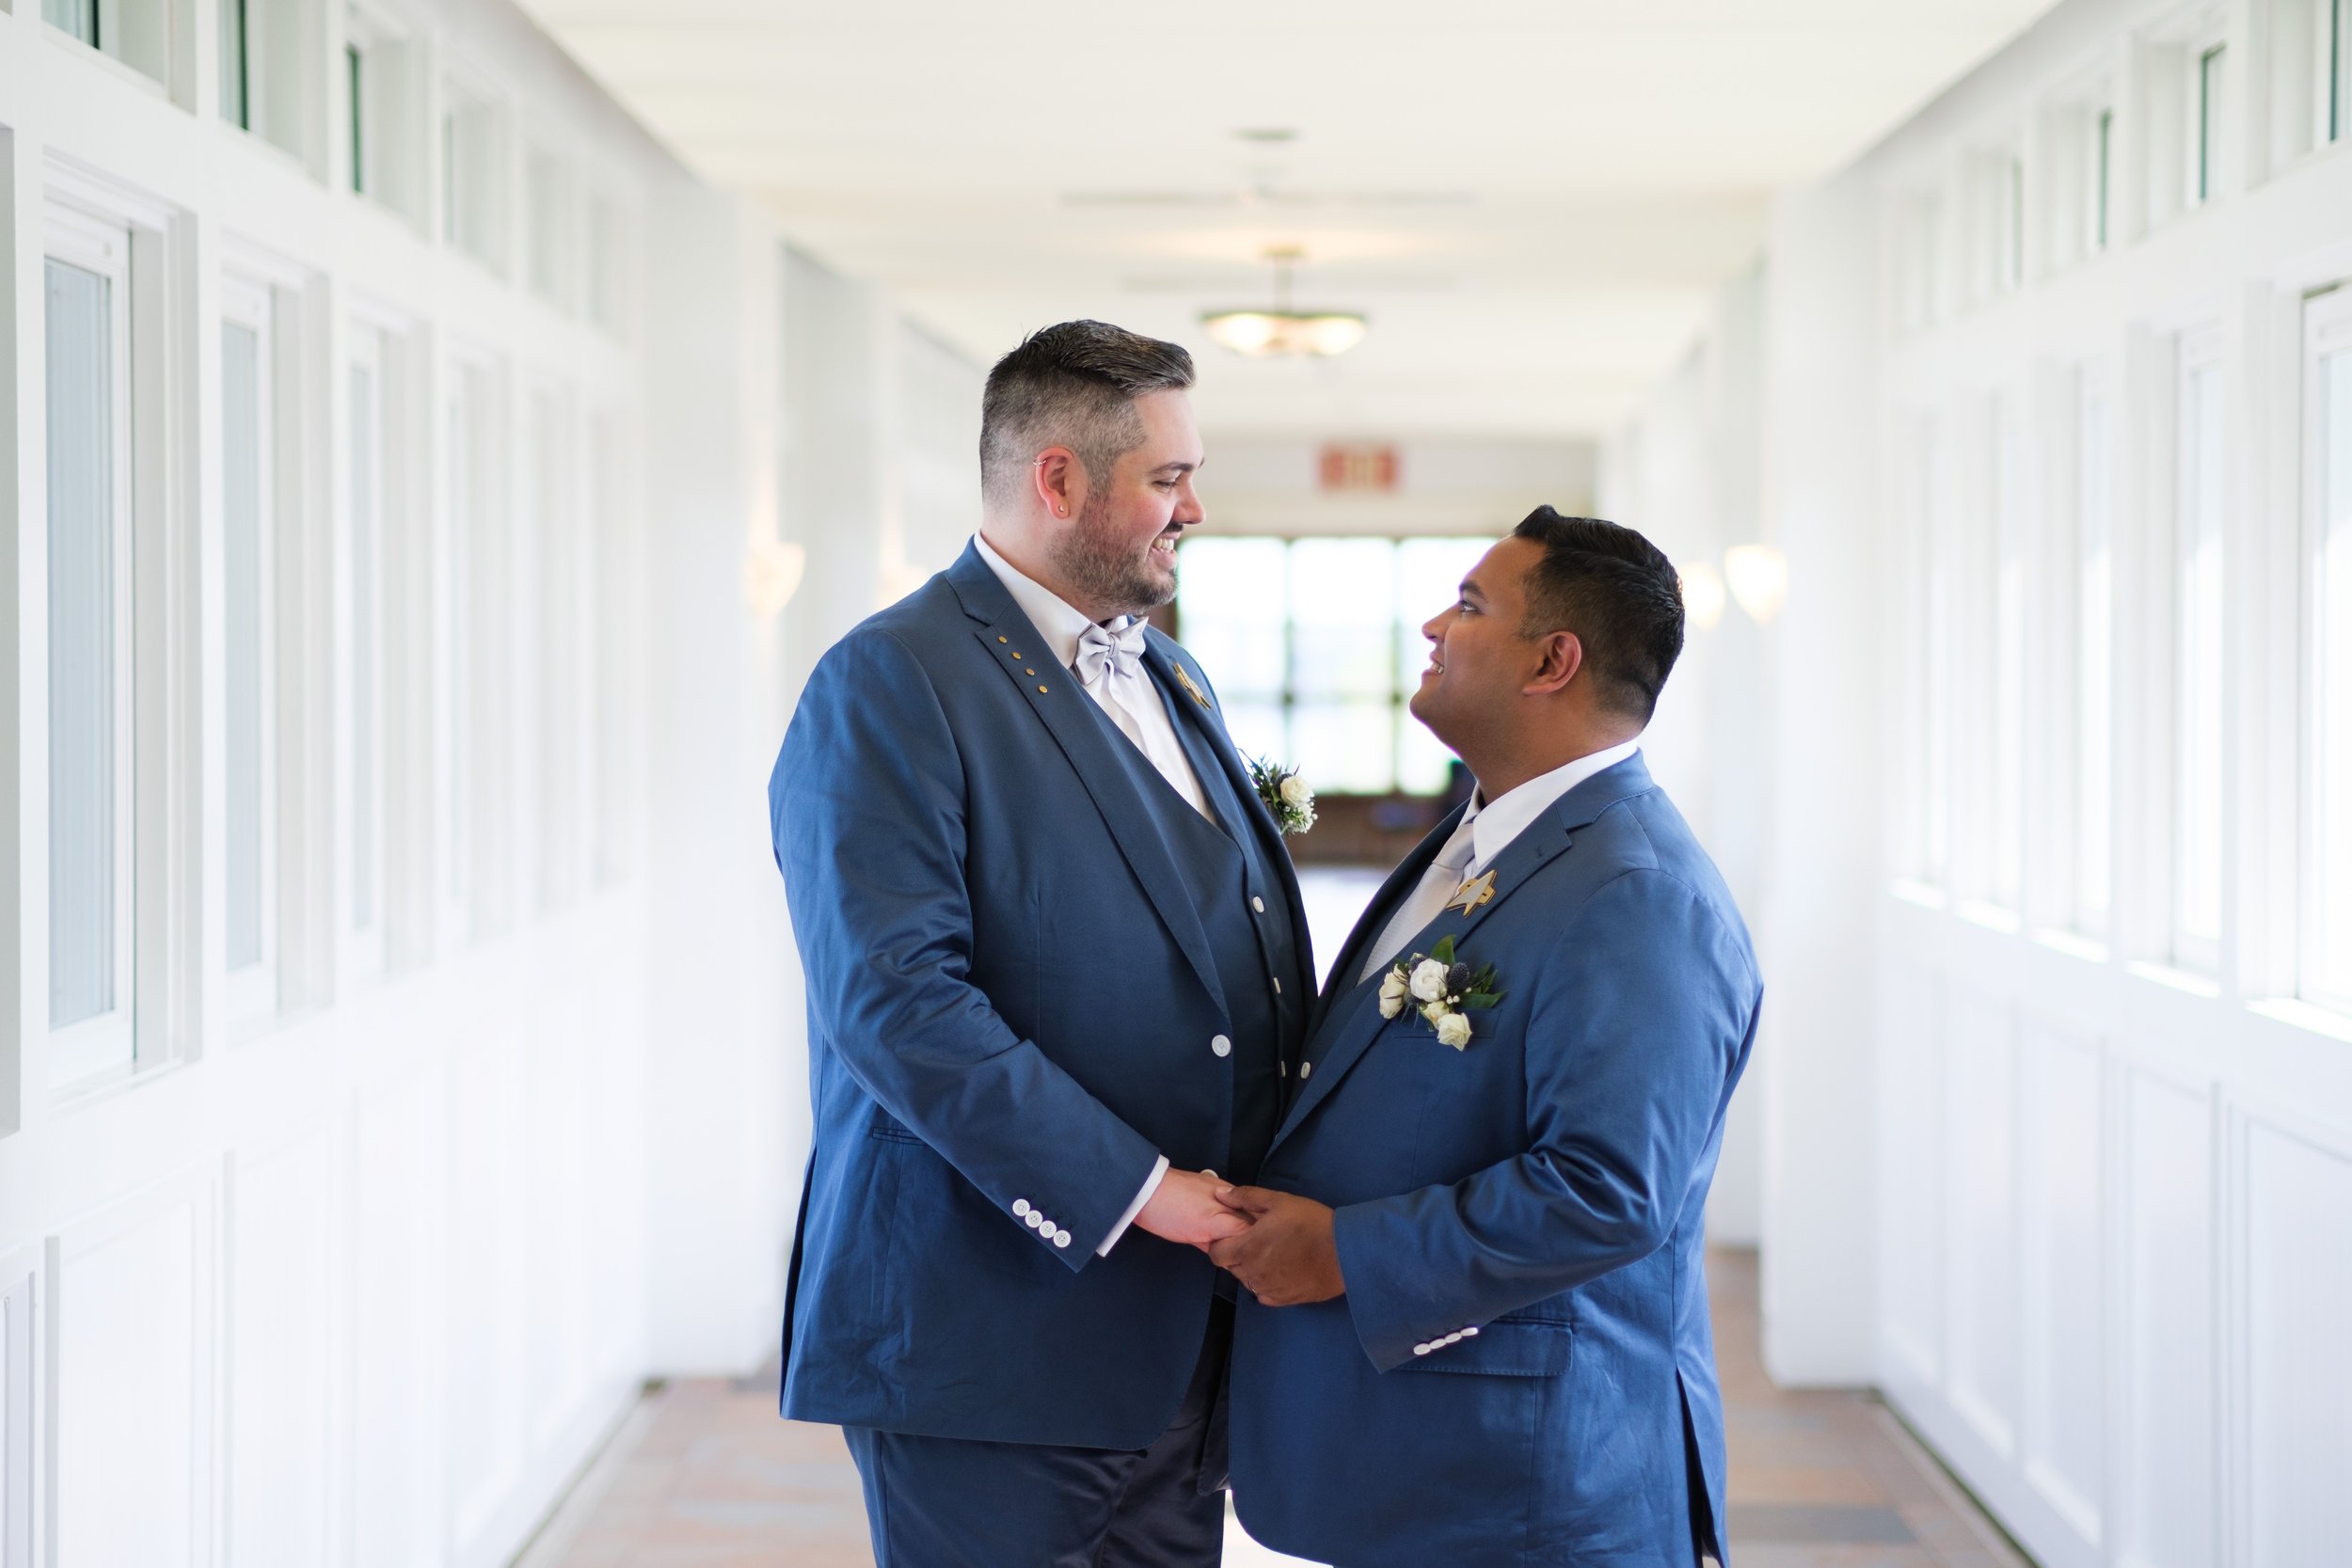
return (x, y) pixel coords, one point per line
(328, 1243)
(2058, 1066)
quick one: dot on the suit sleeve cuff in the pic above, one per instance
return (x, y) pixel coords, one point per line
(1150, 1185)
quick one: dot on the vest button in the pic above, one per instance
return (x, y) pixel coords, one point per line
(1221, 1046)
(1257, 903)
(1304, 1068)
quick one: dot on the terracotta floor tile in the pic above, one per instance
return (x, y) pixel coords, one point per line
(707, 1475)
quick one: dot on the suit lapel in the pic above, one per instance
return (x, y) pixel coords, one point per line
(1350, 1031)
(1069, 716)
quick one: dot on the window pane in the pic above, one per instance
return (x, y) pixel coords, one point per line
(1259, 732)
(2198, 755)
(2094, 725)
(1347, 748)
(365, 632)
(2103, 178)
(453, 607)
(85, 589)
(2209, 122)
(244, 739)
(355, 70)
(1343, 612)
(1229, 608)
(1935, 695)
(235, 105)
(2008, 660)
(2330, 968)
(78, 17)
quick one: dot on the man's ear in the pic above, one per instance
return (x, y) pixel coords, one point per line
(1060, 479)
(1561, 655)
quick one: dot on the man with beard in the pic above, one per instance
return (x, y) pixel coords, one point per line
(1056, 971)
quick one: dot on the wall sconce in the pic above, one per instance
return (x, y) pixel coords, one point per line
(771, 575)
(1702, 594)
(1759, 576)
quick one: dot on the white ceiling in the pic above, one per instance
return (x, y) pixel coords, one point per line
(1531, 199)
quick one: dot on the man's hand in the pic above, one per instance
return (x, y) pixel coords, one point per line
(1287, 1256)
(1185, 1209)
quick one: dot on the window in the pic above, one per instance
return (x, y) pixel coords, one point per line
(2338, 70)
(378, 83)
(1315, 645)
(360, 579)
(2207, 111)
(459, 610)
(2327, 893)
(557, 547)
(137, 32)
(363, 145)
(2094, 641)
(2102, 185)
(92, 728)
(611, 649)
(472, 195)
(1919, 250)
(2197, 631)
(547, 243)
(249, 647)
(2007, 748)
(1937, 608)
(605, 265)
(2011, 227)
(236, 85)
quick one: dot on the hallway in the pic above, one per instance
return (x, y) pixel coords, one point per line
(703, 1475)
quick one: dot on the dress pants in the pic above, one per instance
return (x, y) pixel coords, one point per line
(946, 1503)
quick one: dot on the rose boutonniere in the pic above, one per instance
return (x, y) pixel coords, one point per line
(1285, 794)
(1442, 989)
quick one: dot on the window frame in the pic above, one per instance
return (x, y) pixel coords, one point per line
(106, 1045)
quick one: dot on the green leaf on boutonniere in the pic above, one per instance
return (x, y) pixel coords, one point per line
(1443, 951)
(1481, 999)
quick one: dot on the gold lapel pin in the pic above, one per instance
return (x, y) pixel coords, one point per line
(1477, 890)
(1186, 681)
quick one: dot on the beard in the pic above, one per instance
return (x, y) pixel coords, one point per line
(1102, 565)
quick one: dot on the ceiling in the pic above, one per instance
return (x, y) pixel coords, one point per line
(1531, 199)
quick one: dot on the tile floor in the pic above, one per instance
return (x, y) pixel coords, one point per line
(703, 1475)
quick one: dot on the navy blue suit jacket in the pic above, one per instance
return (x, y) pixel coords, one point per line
(1522, 1360)
(1011, 1009)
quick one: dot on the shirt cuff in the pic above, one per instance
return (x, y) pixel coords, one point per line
(1150, 1185)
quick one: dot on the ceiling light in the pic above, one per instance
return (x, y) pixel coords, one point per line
(1702, 594)
(1759, 576)
(1284, 332)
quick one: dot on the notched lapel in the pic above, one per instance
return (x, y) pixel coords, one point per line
(1054, 697)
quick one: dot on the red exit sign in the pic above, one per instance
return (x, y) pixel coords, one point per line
(1359, 466)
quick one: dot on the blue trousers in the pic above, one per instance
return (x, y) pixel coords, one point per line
(945, 1502)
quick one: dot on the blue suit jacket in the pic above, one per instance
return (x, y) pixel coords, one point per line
(1545, 1186)
(1010, 1006)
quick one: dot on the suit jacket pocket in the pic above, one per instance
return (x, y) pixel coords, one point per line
(1504, 1348)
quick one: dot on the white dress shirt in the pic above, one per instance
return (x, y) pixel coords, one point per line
(1491, 827)
(1134, 703)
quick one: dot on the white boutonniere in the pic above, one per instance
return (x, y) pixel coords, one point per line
(1285, 794)
(1442, 989)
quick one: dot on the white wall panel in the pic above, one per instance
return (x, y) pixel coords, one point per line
(1981, 1218)
(133, 1353)
(2170, 1411)
(282, 1209)
(489, 1249)
(2299, 1342)
(397, 1313)
(562, 1059)
(1910, 1099)
(19, 1407)
(2065, 1448)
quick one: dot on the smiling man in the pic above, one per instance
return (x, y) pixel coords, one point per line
(1057, 969)
(1476, 1333)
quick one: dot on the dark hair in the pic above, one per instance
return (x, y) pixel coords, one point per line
(1074, 385)
(1617, 592)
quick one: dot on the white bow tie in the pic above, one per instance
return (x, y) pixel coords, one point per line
(1098, 648)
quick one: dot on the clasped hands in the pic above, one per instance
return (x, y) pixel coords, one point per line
(1279, 1245)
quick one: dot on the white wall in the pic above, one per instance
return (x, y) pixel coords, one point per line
(2075, 1195)
(363, 1280)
